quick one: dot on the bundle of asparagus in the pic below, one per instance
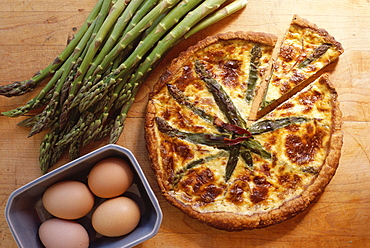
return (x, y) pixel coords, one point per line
(93, 82)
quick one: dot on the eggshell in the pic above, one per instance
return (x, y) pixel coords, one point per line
(58, 233)
(110, 177)
(116, 217)
(68, 199)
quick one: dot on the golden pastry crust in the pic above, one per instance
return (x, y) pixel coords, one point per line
(304, 23)
(242, 213)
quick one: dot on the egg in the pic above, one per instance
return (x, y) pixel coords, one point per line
(110, 177)
(116, 217)
(58, 233)
(68, 199)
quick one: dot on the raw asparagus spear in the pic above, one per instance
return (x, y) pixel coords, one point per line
(217, 16)
(116, 33)
(35, 102)
(132, 34)
(119, 122)
(110, 20)
(20, 88)
(111, 13)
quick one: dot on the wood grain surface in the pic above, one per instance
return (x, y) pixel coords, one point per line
(33, 32)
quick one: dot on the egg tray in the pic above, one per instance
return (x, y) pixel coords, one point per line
(24, 210)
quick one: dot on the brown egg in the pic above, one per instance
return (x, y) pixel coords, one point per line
(68, 200)
(110, 177)
(116, 217)
(58, 233)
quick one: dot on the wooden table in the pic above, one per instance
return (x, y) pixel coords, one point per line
(32, 33)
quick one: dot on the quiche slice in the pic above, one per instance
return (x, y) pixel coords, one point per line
(220, 168)
(305, 50)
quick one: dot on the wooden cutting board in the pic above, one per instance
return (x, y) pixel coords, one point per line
(32, 33)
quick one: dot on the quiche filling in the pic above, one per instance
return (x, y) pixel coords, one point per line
(262, 177)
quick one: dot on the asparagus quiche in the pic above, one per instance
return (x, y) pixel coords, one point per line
(214, 163)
